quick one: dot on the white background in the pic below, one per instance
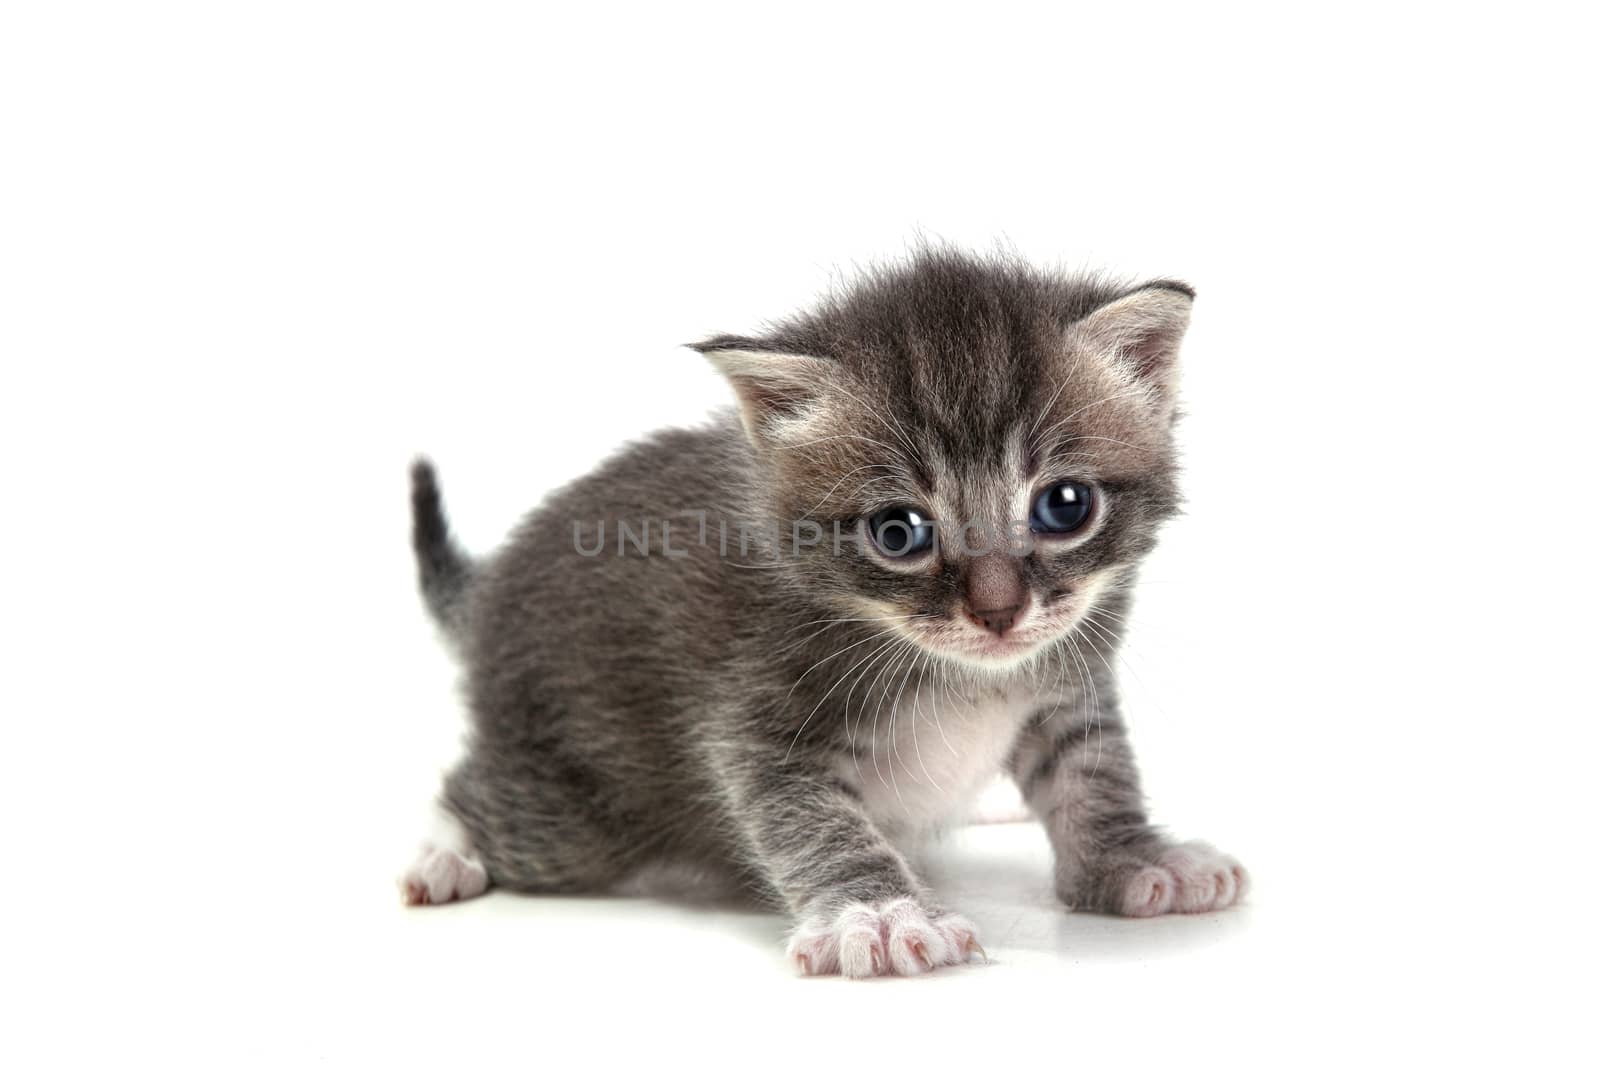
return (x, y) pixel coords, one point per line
(253, 257)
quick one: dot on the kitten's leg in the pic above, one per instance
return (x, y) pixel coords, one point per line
(527, 812)
(447, 866)
(1078, 774)
(861, 911)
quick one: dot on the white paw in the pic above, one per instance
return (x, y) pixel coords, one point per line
(440, 875)
(1191, 877)
(446, 868)
(895, 937)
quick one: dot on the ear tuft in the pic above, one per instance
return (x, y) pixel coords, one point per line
(1172, 285)
(728, 341)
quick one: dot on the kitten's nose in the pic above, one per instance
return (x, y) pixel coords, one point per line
(994, 593)
(996, 620)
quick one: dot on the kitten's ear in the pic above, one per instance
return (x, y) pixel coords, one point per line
(1141, 330)
(779, 392)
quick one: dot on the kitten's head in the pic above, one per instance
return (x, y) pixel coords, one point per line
(994, 442)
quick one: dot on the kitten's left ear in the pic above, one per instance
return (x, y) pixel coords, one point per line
(779, 392)
(1141, 330)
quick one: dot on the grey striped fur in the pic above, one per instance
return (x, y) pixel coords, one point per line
(638, 710)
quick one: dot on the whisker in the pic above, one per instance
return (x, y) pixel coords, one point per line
(853, 733)
(916, 709)
(831, 623)
(1061, 423)
(790, 694)
(885, 634)
(1094, 699)
(834, 487)
(1033, 427)
(1087, 637)
(935, 704)
(1113, 440)
(1115, 644)
(877, 711)
(851, 692)
(899, 432)
(898, 428)
(837, 437)
(894, 711)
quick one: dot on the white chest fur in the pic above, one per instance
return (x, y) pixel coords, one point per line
(921, 763)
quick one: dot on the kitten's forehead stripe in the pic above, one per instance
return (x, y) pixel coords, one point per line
(956, 347)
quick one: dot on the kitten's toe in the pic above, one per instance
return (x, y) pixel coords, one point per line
(861, 949)
(1149, 891)
(960, 937)
(1207, 880)
(849, 943)
(896, 937)
(447, 866)
(440, 875)
(915, 943)
(1192, 877)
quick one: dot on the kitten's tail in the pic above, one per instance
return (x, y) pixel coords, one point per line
(443, 570)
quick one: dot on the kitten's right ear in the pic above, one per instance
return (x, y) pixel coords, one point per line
(1141, 331)
(779, 392)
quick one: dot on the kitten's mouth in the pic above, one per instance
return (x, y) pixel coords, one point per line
(987, 650)
(962, 638)
(997, 651)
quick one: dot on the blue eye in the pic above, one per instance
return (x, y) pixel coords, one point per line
(901, 531)
(1062, 508)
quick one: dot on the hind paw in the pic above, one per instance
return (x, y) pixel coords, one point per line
(447, 866)
(440, 875)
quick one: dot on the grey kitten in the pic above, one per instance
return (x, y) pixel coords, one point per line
(779, 649)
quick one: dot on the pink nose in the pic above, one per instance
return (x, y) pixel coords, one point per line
(996, 620)
(994, 592)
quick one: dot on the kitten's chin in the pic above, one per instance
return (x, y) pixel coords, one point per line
(999, 655)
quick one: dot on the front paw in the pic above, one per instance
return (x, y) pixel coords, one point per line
(1205, 879)
(1192, 877)
(891, 937)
